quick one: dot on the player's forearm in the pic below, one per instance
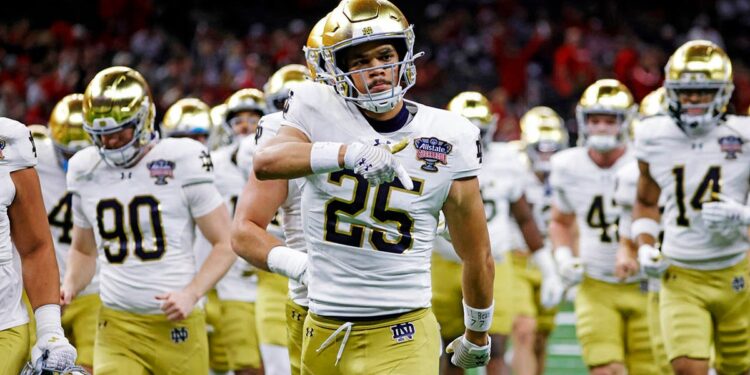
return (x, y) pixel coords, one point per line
(525, 219)
(81, 268)
(218, 262)
(252, 243)
(478, 277)
(40, 275)
(561, 234)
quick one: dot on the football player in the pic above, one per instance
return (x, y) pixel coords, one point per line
(502, 185)
(55, 147)
(192, 118)
(369, 235)
(23, 227)
(611, 322)
(543, 133)
(259, 203)
(239, 290)
(652, 104)
(136, 202)
(694, 157)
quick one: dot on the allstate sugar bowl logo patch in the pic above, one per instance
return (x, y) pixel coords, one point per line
(3, 143)
(161, 169)
(432, 151)
(732, 145)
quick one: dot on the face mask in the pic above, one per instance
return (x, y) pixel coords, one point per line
(602, 142)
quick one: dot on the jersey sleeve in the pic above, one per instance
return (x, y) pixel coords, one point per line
(194, 164)
(245, 154)
(202, 198)
(468, 152)
(17, 148)
(645, 142)
(558, 181)
(300, 101)
(79, 216)
(626, 185)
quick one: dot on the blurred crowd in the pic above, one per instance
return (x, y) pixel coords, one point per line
(520, 53)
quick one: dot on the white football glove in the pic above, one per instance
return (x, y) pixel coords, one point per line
(569, 267)
(552, 285)
(726, 211)
(376, 164)
(51, 350)
(652, 262)
(467, 354)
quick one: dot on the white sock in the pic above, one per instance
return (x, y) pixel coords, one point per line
(275, 359)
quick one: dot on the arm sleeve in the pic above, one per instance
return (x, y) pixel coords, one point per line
(202, 198)
(626, 221)
(79, 216)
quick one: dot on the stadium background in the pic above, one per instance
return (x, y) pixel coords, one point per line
(519, 53)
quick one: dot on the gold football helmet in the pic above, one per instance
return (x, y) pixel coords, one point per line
(655, 103)
(543, 133)
(277, 87)
(118, 98)
(188, 117)
(475, 107)
(354, 22)
(312, 50)
(66, 128)
(605, 97)
(698, 66)
(250, 100)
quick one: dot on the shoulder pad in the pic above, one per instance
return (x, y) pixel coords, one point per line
(17, 148)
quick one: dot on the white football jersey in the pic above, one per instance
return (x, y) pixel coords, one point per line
(17, 151)
(689, 172)
(501, 184)
(241, 281)
(142, 219)
(370, 246)
(59, 205)
(582, 188)
(539, 196)
(290, 212)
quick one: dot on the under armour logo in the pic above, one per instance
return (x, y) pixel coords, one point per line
(738, 283)
(403, 331)
(296, 316)
(205, 157)
(53, 339)
(179, 335)
(308, 332)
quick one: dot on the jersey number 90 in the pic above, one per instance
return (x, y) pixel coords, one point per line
(118, 233)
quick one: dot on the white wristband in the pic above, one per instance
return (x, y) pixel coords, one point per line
(645, 225)
(48, 320)
(324, 157)
(478, 320)
(288, 262)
